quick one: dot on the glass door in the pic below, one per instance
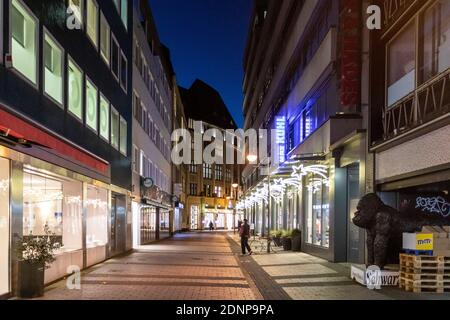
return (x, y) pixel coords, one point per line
(4, 226)
(353, 232)
(113, 224)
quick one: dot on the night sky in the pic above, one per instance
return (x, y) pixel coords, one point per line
(207, 41)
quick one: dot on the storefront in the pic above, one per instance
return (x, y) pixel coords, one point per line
(4, 227)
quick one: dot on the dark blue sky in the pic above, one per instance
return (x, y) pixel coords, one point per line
(207, 40)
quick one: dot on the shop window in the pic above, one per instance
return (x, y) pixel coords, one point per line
(115, 58)
(91, 105)
(105, 39)
(123, 71)
(436, 40)
(164, 220)
(148, 225)
(114, 128)
(53, 69)
(123, 136)
(24, 35)
(75, 80)
(104, 118)
(55, 202)
(4, 226)
(96, 217)
(92, 21)
(402, 65)
(317, 211)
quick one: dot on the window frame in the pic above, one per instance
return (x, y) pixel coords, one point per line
(97, 27)
(107, 60)
(45, 32)
(123, 56)
(114, 111)
(102, 96)
(121, 121)
(114, 39)
(86, 81)
(70, 60)
(36, 42)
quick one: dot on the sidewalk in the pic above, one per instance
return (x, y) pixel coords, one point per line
(303, 277)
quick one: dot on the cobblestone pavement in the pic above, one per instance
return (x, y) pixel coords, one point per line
(304, 277)
(208, 266)
(192, 266)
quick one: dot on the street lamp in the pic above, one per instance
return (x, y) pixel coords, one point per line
(235, 186)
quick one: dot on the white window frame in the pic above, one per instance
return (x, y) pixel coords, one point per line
(113, 110)
(36, 43)
(134, 163)
(122, 55)
(86, 81)
(102, 96)
(113, 39)
(97, 27)
(71, 60)
(122, 120)
(105, 59)
(63, 68)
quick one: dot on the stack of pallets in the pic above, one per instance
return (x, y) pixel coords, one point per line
(421, 274)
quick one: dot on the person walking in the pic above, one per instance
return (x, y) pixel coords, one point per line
(211, 226)
(244, 233)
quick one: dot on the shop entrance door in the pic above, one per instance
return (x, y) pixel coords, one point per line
(353, 232)
(118, 224)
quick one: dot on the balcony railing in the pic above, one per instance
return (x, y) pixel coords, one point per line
(428, 102)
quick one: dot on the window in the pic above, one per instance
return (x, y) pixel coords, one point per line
(77, 9)
(53, 69)
(92, 21)
(105, 39)
(96, 219)
(402, 65)
(91, 105)
(123, 136)
(218, 191)
(124, 12)
(74, 83)
(115, 56)
(123, 71)
(228, 175)
(135, 159)
(193, 189)
(24, 35)
(207, 172)
(218, 172)
(142, 163)
(436, 38)
(207, 190)
(114, 128)
(104, 118)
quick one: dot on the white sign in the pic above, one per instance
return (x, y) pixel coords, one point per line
(280, 126)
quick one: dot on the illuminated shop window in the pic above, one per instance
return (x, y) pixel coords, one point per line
(53, 69)
(24, 33)
(92, 21)
(104, 118)
(75, 80)
(105, 39)
(91, 105)
(114, 128)
(96, 217)
(123, 136)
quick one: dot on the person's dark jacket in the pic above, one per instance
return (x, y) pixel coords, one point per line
(245, 230)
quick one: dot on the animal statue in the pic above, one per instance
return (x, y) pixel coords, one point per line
(385, 226)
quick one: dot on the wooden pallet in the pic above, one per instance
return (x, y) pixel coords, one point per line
(424, 276)
(423, 286)
(424, 264)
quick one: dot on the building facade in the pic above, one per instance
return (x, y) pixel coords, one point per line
(152, 127)
(65, 130)
(303, 66)
(410, 99)
(211, 188)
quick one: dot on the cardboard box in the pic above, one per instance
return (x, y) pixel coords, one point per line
(418, 241)
(383, 278)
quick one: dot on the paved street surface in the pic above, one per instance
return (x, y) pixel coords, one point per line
(208, 266)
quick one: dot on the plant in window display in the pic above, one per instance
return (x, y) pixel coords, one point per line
(286, 240)
(35, 254)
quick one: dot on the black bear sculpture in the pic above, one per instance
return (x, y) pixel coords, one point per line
(385, 226)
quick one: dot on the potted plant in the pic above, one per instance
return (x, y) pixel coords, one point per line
(286, 240)
(296, 240)
(35, 254)
(276, 236)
